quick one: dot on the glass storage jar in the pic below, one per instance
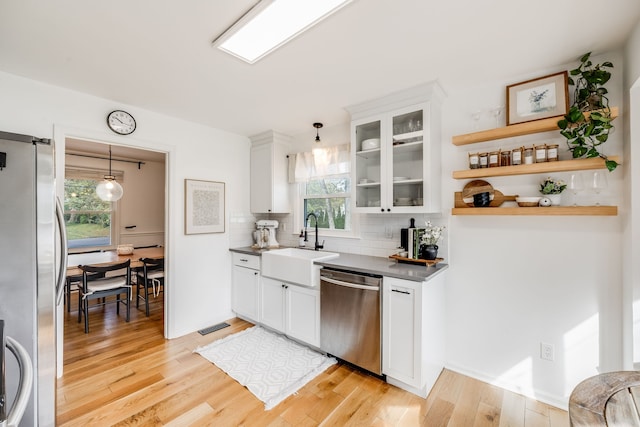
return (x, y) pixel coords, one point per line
(552, 153)
(541, 153)
(484, 160)
(505, 158)
(494, 159)
(474, 160)
(516, 156)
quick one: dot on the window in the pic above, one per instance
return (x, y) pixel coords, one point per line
(90, 221)
(325, 189)
(329, 199)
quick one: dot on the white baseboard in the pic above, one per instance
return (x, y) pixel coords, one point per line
(560, 402)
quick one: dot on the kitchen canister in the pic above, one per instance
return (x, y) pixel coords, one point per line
(528, 156)
(516, 156)
(484, 160)
(505, 158)
(474, 160)
(541, 153)
(552, 153)
(494, 159)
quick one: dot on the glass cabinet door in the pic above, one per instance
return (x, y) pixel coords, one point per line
(368, 164)
(407, 161)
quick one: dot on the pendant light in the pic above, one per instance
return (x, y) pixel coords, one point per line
(108, 189)
(317, 126)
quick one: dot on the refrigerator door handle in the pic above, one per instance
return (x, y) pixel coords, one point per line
(63, 252)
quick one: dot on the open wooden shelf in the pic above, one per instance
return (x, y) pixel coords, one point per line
(550, 210)
(519, 129)
(546, 167)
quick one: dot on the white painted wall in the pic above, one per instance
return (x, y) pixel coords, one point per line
(515, 282)
(198, 266)
(631, 216)
(142, 203)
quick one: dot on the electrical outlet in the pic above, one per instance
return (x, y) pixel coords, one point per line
(546, 351)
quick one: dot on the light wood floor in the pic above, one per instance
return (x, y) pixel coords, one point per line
(128, 374)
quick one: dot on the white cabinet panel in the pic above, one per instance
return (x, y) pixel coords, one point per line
(413, 332)
(291, 309)
(245, 291)
(303, 314)
(273, 304)
(269, 180)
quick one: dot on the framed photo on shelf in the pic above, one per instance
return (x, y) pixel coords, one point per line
(203, 207)
(537, 99)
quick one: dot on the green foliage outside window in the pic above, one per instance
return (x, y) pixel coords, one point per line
(328, 199)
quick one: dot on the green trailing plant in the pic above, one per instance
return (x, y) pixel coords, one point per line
(586, 135)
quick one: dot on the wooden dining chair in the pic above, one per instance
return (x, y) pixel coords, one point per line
(116, 281)
(150, 275)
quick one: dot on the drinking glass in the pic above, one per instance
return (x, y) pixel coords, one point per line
(476, 119)
(575, 185)
(598, 183)
(497, 112)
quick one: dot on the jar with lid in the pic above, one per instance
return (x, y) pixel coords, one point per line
(494, 159)
(528, 156)
(505, 158)
(484, 160)
(552, 153)
(516, 156)
(474, 160)
(541, 153)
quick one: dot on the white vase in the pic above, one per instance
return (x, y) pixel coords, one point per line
(555, 199)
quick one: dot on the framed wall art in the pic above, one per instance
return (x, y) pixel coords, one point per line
(537, 99)
(203, 207)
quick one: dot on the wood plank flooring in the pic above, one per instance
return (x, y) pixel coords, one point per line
(127, 374)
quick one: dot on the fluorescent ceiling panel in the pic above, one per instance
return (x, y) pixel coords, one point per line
(272, 23)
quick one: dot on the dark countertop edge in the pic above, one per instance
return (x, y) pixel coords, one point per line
(367, 264)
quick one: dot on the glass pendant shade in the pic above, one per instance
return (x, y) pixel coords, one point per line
(109, 190)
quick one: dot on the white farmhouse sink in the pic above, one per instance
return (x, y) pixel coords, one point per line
(294, 265)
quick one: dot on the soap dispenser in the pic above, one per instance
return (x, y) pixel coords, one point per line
(301, 241)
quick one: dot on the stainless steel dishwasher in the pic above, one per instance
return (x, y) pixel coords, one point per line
(350, 317)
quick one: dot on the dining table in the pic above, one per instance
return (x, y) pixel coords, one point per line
(111, 257)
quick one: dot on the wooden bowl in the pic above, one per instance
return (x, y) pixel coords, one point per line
(528, 202)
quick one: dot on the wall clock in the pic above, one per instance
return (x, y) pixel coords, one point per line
(121, 122)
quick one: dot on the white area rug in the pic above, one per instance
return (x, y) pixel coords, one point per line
(271, 366)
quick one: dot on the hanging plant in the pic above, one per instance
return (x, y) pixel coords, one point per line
(585, 135)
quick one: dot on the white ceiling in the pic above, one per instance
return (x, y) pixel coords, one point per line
(157, 54)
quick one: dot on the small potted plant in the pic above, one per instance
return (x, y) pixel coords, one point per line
(429, 241)
(585, 136)
(552, 188)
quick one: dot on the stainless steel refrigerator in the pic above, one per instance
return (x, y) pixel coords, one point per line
(30, 272)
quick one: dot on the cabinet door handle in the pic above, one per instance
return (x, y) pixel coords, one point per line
(255, 273)
(244, 260)
(401, 292)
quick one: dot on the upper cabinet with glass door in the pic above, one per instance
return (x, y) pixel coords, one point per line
(396, 152)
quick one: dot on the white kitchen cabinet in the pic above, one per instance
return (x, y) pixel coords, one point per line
(413, 332)
(246, 286)
(272, 312)
(269, 169)
(402, 175)
(291, 309)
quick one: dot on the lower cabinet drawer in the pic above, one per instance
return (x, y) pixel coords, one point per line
(248, 261)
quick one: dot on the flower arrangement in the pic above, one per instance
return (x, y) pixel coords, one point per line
(552, 186)
(432, 234)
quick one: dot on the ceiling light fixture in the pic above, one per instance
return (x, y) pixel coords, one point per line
(317, 126)
(108, 189)
(272, 23)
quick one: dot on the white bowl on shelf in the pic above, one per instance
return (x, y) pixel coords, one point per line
(401, 178)
(371, 144)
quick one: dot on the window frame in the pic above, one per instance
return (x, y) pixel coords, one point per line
(97, 175)
(300, 216)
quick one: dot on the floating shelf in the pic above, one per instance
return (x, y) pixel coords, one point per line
(519, 129)
(551, 210)
(546, 167)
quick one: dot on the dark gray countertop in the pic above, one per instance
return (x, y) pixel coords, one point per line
(369, 264)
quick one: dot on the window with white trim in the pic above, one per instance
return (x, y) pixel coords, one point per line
(324, 182)
(90, 222)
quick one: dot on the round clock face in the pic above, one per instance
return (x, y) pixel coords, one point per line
(121, 122)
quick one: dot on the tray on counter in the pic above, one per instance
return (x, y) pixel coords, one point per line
(427, 262)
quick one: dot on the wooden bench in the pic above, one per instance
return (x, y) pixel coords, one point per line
(610, 399)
